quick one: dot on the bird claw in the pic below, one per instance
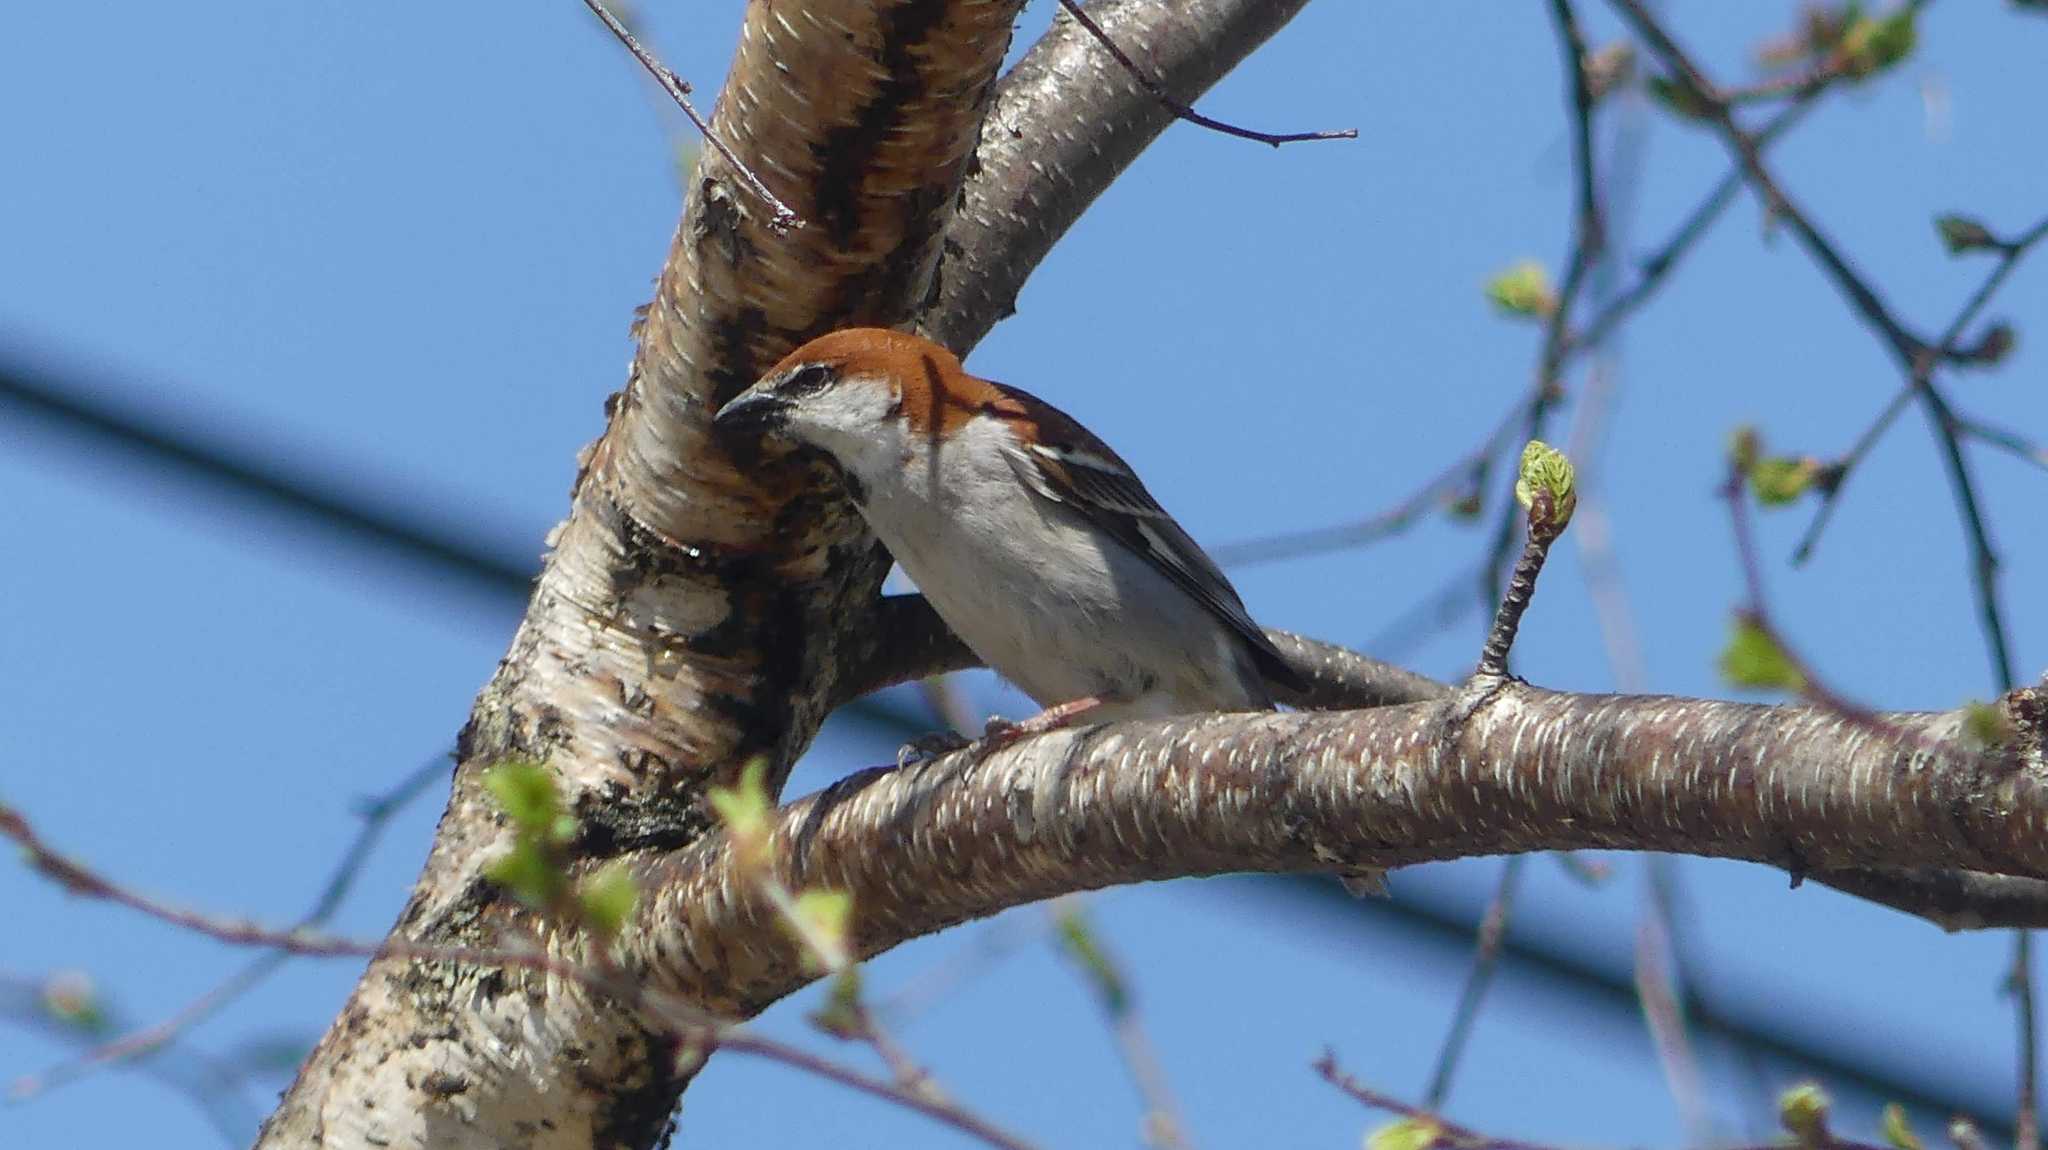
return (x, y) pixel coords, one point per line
(925, 748)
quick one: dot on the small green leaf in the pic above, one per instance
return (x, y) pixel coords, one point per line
(1678, 97)
(527, 871)
(1077, 938)
(1780, 480)
(1960, 234)
(1897, 1131)
(1872, 44)
(826, 917)
(744, 807)
(1754, 660)
(840, 1014)
(1545, 468)
(1523, 290)
(1986, 725)
(607, 898)
(1804, 1111)
(1406, 1134)
(526, 793)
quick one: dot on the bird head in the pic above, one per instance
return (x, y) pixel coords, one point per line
(852, 391)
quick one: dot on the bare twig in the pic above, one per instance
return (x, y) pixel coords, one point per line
(1657, 991)
(1470, 470)
(2027, 1121)
(784, 218)
(1921, 373)
(1465, 474)
(1588, 240)
(376, 814)
(209, 1082)
(1183, 111)
(686, 1020)
(2004, 439)
(1493, 927)
(1163, 1126)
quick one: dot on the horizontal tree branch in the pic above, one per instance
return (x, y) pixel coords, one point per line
(910, 641)
(933, 844)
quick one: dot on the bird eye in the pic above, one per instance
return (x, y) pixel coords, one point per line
(809, 379)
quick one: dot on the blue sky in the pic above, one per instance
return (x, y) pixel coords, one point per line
(402, 244)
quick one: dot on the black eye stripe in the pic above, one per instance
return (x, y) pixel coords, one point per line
(809, 379)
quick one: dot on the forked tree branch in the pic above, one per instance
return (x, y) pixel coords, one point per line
(1067, 120)
(702, 601)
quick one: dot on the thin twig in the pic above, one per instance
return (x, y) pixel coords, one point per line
(2004, 439)
(1521, 590)
(2027, 1122)
(1693, 228)
(784, 218)
(376, 814)
(1587, 243)
(1485, 961)
(1163, 1126)
(1183, 111)
(211, 1083)
(2010, 255)
(1915, 357)
(1452, 1136)
(1467, 472)
(687, 1020)
(1473, 467)
(1658, 990)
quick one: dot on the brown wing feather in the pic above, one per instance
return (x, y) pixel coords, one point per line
(1084, 473)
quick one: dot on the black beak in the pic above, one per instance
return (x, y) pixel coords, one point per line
(752, 410)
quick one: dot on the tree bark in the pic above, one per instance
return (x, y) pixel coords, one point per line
(923, 847)
(698, 609)
(688, 617)
(702, 609)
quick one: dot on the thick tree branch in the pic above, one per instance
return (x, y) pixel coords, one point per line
(688, 618)
(909, 641)
(1067, 121)
(924, 847)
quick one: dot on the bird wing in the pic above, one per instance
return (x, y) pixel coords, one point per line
(1068, 464)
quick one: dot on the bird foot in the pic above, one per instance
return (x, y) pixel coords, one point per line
(996, 734)
(925, 748)
(1001, 732)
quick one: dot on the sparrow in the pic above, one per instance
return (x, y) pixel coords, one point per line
(1033, 540)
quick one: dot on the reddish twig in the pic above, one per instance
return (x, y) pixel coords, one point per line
(376, 814)
(689, 1022)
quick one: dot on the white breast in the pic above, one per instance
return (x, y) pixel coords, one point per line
(1047, 601)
